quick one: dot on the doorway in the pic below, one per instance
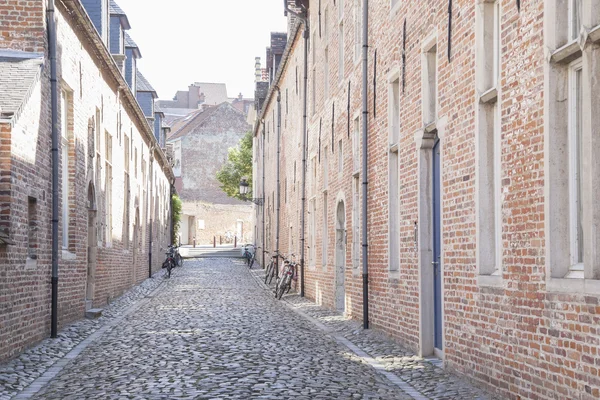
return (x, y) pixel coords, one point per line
(136, 242)
(340, 258)
(92, 248)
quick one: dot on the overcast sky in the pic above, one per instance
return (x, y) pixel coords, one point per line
(186, 41)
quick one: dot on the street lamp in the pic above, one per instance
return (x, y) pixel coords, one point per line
(244, 189)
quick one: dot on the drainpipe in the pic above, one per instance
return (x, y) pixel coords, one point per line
(365, 115)
(278, 180)
(263, 194)
(306, 35)
(54, 116)
(150, 209)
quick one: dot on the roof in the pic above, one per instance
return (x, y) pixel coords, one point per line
(130, 44)
(195, 119)
(18, 72)
(117, 11)
(142, 84)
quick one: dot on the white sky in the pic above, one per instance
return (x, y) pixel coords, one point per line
(186, 41)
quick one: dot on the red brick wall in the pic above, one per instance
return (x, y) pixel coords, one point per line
(519, 339)
(23, 26)
(25, 161)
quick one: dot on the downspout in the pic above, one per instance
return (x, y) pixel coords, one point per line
(365, 115)
(278, 181)
(263, 195)
(306, 35)
(150, 210)
(54, 116)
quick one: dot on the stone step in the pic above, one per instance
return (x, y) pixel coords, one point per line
(93, 313)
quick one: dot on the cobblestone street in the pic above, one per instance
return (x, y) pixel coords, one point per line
(213, 331)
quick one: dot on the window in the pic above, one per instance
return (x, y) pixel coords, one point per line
(108, 188)
(313, 186)
(126, 194)
(324, 236)
(488, 142)
(32, 227)
(341, 50)
(394, 177)
(576, 167)
(572, 129)
(65, 102)
(325, 168)
(356, 222)
(357, 29)
(430, 85)
(356, 145)
(340, 158)
(326, 73)
(574, 18)
(314, 91)
(312, 242)
(341, 40)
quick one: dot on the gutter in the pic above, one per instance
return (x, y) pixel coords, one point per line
(54, 116)
(365, 127)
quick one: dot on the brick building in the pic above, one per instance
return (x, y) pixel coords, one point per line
(200, 146)
(481, 222)
(114, 180)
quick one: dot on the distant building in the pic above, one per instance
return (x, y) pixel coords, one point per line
(200, 143)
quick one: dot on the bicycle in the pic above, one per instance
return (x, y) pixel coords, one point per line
(177, 256)
(170, 262)
(284, 284)
(271, 271)
(250, 256)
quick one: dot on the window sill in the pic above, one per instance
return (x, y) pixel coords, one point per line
(30, 263)
(489, 96)
(567, 53)
(394, 276)
(430, 127)
(394, 148)
(490, 280)
(595, 34)
(571, 285)
(67, 255)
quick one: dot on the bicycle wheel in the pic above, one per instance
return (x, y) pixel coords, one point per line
(169, 268)
(283, 284)
(273, 273)
(268, 271)
(179, 260)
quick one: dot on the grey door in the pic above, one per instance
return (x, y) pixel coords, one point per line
(437, 242)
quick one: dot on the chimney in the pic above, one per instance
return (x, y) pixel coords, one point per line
(240, 97)
(257, 70)
(201, 98)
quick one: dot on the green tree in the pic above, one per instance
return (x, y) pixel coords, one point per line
(176, 215)
(238, 165)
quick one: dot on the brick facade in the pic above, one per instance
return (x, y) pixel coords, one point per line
(515, 333)
(116, 188)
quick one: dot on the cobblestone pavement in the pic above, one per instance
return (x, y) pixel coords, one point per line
(213, 332)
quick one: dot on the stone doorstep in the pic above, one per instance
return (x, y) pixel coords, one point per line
(93, 313)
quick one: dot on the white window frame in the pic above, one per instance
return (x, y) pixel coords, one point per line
(575, 195)
(64, 121)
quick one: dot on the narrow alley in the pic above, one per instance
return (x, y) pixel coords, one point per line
(214, 331)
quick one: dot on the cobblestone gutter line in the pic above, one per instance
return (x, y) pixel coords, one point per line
(26, 375)
(418, 377)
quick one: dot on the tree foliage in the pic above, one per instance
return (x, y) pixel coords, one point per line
(237, 166)
(176, 215)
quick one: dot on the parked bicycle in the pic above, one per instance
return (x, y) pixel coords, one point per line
(170, 261)
(250, 254)
(271, 271)
(284, 283)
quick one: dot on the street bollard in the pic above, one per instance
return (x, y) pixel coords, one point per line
(194, 242)
(234, 242)
(214, 241)
(220, 240)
